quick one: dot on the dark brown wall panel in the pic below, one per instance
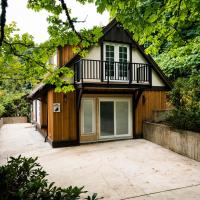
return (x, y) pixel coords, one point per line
(149, 101)
(64, 54)
(64, 122)
(50, 114)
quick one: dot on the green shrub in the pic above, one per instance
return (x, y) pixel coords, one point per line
(13, 105)
(185, 96)
(23, 178)
(186, 93)
(2, 110)
(187, 119)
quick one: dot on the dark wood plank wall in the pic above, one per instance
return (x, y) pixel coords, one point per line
(43, 116)
(50, 114)
(148, 102)
(62, 124)
(117, 34)
(64, 54)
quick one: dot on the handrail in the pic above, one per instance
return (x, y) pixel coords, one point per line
(107, 71)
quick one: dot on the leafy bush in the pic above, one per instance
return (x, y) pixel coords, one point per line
(2, 110)
(186, 119)
(24, 178)
(12, 105)
(185, 96)
(186, 92)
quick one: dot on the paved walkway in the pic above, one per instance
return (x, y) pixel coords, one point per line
(131, 169)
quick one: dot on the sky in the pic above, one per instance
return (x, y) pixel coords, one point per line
(35, 22)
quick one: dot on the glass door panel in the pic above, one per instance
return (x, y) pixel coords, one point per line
(122, 118)
(110, 58)
(107, 118)
(87, 116)
(123, 66)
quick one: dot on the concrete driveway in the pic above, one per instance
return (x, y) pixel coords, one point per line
(131, 169)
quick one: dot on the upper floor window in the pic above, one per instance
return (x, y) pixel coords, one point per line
(123, 54)
(110, 53)
(116, 56)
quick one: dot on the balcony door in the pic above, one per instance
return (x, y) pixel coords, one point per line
(116, 58)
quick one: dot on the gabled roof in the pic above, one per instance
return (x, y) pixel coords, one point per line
(106, 31)
(149, 59)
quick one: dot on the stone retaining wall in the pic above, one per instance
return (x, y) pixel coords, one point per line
(13, 120)
(186, 143)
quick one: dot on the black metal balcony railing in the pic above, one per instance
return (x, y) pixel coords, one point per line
(106, 71)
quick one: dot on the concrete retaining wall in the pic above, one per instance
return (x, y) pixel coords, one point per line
(1, 122)
(186, 143)
(13, 120)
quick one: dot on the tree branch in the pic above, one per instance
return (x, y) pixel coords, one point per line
(14, 51)
(64, 7)
(4, 4)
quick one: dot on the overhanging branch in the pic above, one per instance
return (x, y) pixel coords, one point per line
(4, 4)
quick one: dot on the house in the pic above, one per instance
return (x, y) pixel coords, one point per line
(117, 87)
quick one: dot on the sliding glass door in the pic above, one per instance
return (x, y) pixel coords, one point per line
(115, 118)
(122, 121)
(107, 118)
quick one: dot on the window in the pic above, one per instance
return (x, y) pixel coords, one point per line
(107, 118)
(88, 116)
(116, 56)
(110, 58)
(123, 67)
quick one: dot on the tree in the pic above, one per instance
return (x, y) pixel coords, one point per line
(182, 61)
(155, 22)
(162, 26)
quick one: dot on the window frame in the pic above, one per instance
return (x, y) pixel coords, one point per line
(114, 99)
(116, 59)
(93, 100)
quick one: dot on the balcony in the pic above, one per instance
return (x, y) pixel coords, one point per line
(105, 72)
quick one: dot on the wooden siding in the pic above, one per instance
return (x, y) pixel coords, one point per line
(148, 102)
(64, 54)
(43, 116)
(117, 34)
(62, 125)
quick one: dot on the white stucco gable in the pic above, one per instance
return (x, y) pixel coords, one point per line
(94, 53)
(137, 57)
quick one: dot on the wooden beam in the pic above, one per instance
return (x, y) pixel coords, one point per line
(136, 97)
(79, 93)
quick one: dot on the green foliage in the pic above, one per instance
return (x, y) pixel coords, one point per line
(186, 92)
(14, 104)
(2, 110)
(23, 61)
(24, 178)
(61, 31)
(185, 118)
(156, 21)
(181, 61)
(185, 96)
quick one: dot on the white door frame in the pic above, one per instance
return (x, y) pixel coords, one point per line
(116, 57)
(93, 100)
(117, 99)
